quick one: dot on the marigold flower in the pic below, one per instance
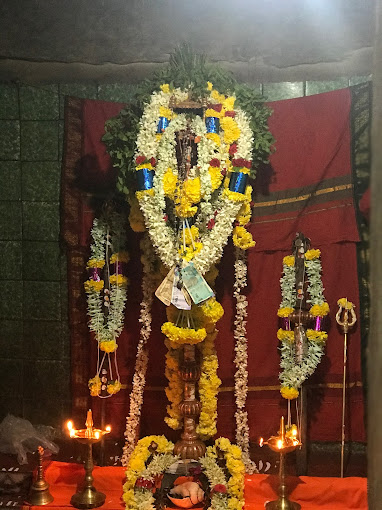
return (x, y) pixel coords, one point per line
(312, 254)
(289, 393)
(289, 260)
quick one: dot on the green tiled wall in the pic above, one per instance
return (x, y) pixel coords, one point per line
(34, 332)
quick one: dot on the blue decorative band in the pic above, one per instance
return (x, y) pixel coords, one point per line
(212, 124)
(238, 182)
(162, 124)
(145, 178)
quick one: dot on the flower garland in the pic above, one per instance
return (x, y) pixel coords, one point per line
(145, 471)
(241, 359)
(140, 476)
(225, 494)
(218, 155)
(139, 378)
(294, 373)
(106, 291)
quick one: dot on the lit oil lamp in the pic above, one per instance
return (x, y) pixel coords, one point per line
(88, 497)
(283, 443)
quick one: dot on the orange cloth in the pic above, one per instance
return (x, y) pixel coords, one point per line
(313, 493)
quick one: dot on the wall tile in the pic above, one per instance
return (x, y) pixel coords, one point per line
(118, 92)
(41, 261)
(9, 101)
(9, 140)
(10, 180)
(46, 379)
(317, 87)
(42, 300)
(11, 221)
(44, 412)
(11, 302)
(11, 378)
(64, 265)
(39, 103)
(43, 340)
(41, 221)
(41, 181)
(11, 339)
(284, 90)
(39, 140)
(61, 128)
(76, 90)
(65, 334)
(64, 300)
(10, 260)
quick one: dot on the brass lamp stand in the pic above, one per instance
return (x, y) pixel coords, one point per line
(88, 497)
(283, 444)
(39, 493)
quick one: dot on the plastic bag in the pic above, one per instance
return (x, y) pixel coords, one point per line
(19, 436)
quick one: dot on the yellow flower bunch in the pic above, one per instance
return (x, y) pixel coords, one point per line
(244, 214)
(190, 252)
(169, 183)
(209, 384)
(113, 387)
(92, 286)
(312, 254)
(348, 305)
(213, 113)
(236, 469)
(192, 231)
(214, 137)
(216, 177)
(242, 238)
(95, 386)
(136, 219)
(144, 165)
(165, 87)
(209, 85)
(219, 98)
(289, 393)
(212, 310)
(228, 103)
(118, 279)
(191, 189)
(285, 336)
(121, 256)
(108, 345)
(95, 263)
(319, 310)
(233, 195)
(181, 336)
(231, 129)
(144, 192)
(185, 209)
(288, 261)
(285, 311)
(174, 391)
(165, 112)
(316, 336)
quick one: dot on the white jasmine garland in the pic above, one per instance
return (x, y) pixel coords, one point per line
(142, 358)
(241, 359)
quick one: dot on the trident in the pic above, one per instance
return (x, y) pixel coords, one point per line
(345, 307)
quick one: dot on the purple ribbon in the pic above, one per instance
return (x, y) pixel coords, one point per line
(317, 326)
(94, 274)
(118, 267)
(285, 322)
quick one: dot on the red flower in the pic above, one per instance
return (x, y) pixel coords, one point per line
(216, 107)
(215, 162)
(231, 113)
(241, 162)
(252, 204)
(140, 159)
(165, 217)
(211, 224)
(144, 484)
(233, 149)
(224, 172)
(219, 487)
(153, 161)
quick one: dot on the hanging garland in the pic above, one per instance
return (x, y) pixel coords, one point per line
(106, 291)
(294, 373)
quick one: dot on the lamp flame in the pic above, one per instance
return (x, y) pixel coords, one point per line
(279, 444)
(69, 425)
(261, 442)
(96, 435)
(108, 428)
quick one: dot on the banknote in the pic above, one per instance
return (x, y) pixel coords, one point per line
(178, 298)
(164, 291)
(195, 284)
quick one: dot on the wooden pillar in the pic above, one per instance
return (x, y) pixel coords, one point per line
(374, 361)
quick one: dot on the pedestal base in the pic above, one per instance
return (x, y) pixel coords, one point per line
(88, 498)
(282, 504)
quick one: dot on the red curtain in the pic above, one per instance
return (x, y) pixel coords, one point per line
(307, 187)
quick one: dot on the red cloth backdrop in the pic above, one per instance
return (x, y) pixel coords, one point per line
(306, 188)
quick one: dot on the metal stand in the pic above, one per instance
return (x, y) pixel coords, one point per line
(88, 497)
(283, 502)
